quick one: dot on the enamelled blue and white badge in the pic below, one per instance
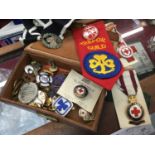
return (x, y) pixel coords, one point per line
(102, 64)
(62, 106)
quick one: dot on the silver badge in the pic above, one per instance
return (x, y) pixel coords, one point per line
(29, 69)
(51, 40)
(44, 79)
(28, 92)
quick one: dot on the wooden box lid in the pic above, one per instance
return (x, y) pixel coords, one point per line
(67, 53)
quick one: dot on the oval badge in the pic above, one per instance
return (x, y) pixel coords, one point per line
(102, 64)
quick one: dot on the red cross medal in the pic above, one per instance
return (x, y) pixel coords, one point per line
(126, 52)
(80, 91)
(135, 111)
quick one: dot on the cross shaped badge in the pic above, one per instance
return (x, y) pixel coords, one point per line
(63, 106)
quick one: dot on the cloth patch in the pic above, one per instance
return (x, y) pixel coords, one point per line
(97, 56)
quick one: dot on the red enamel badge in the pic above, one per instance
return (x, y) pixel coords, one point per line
(99, 61)
(90, 32)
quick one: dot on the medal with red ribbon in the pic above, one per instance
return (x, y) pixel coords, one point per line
(128, 85)
(99, 61)
(124, 51)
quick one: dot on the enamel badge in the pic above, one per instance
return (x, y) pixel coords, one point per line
(62, 106)
(90, 32)
(135, 112)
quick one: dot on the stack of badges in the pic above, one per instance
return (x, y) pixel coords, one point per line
(16, 86)
(38, 88)
(32, 89)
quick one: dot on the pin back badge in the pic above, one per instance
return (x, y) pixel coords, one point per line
(90, 32)
(62, 105)
(80, 91)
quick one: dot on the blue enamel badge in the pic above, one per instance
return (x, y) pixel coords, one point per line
(63, 106)
(102, 64)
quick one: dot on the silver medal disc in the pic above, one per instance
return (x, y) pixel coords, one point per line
(28, 92)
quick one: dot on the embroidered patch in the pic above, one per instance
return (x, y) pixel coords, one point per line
(102, 64)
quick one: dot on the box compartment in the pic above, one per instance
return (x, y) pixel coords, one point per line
(72, 118)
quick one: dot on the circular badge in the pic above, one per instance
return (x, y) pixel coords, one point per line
(102, 64)
(126, 52)
(29, 69)
(51, 40)
(28, 92)
(90, 32)
(135, 111)
(44, 79)
(80, 91)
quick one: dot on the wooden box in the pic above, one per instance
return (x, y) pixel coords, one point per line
(64, 57)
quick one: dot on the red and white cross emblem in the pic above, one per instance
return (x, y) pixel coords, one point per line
(80, 91)
(126, 52)
(135, 111)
